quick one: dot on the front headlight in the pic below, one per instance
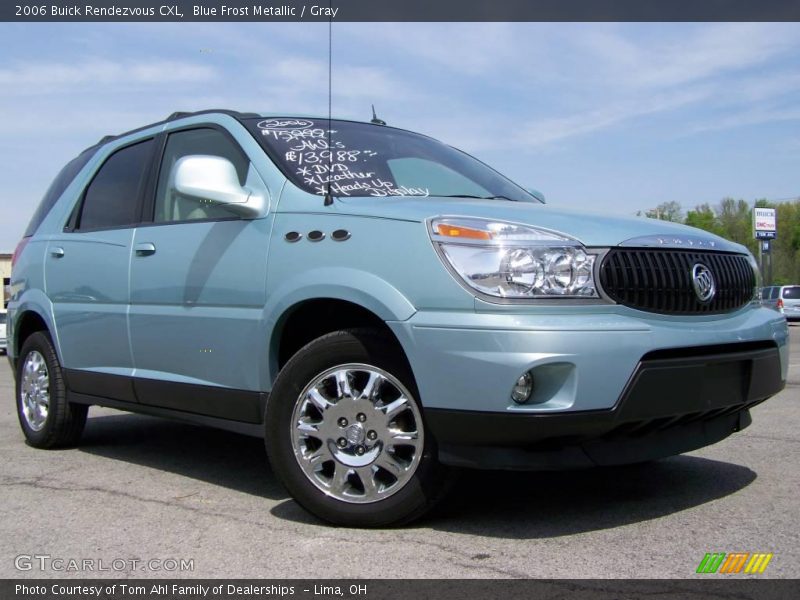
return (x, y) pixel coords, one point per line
(509, 260)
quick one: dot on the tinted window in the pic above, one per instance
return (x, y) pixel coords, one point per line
(791, 293)
(207, 142)
(773, 293)
(60, 183)
(2, 318)
(361, 159)
(111, 200)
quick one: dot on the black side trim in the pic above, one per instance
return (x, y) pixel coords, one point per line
(224, 403)
(251, 429)
(115, 387)
(236, 405)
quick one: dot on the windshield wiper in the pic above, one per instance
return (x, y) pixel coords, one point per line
(478, 197)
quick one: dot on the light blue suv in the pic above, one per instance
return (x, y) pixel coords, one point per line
(377, 305)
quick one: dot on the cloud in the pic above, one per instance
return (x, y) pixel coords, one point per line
(303, 75)
(610, 76)
(35, 77)
(746, 118)
(713, 51)
(546, 131)
(470, 48)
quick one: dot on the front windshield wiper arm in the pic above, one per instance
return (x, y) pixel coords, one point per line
(478, 197)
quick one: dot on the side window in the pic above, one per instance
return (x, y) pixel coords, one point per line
(60, 183)
(112, 198)
(170, 206)
(773, 294)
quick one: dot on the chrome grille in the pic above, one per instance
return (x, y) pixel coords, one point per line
(660, 281)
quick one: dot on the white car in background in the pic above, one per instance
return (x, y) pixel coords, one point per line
(783, 298)
(3, 342)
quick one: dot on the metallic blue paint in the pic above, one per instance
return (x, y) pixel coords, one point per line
(470, 361)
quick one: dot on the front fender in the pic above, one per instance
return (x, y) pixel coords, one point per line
(336, 283)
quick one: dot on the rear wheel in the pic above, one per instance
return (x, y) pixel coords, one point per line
(47, 419)
(346, 436)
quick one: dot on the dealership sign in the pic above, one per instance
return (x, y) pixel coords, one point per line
(764, 223)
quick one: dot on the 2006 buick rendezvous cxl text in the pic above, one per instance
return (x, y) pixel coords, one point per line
(377, 305)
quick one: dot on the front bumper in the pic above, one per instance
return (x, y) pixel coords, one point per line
(609, 387)
(675, 402)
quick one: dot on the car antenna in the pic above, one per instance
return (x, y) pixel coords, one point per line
(328, 197)
(375, 118)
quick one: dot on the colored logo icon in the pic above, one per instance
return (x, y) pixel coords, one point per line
(735, 562)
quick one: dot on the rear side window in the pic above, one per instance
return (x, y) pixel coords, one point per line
(792, 293)
(112, 198)
(60, 183)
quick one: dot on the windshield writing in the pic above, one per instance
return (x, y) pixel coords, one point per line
(361, 159)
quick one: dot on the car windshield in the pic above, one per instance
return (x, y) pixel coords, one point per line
(792, 293)
(362, 159)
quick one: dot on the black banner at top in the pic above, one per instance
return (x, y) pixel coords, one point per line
(398, 10)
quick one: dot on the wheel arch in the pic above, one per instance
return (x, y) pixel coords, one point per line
(28, 321)
(331, 299)
(312, 318)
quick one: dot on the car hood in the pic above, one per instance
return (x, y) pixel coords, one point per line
(591, 229)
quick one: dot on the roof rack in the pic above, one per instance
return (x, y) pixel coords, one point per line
(231, 113)
(178, 115)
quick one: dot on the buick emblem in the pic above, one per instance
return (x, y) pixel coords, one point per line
(355, 434)
(703, 282)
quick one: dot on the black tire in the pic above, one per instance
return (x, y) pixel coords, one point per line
(65, 421)
(418, 494)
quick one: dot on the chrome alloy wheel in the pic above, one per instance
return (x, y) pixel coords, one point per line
(357, 433)
(35, 390)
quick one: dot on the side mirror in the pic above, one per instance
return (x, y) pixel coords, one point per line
(536, 194)
(214, 179)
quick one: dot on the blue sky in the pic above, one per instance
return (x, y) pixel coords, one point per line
(608, 117)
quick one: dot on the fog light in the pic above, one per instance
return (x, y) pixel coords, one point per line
(521, 392)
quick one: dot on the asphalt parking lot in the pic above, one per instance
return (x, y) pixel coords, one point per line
(143, 488)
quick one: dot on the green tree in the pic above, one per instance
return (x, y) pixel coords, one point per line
(735, 218)
(704, 217)
(666, 211)
(786, 245)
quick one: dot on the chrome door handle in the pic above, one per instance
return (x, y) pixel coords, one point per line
(57, 252)
(145, 249)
